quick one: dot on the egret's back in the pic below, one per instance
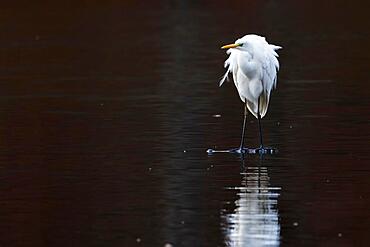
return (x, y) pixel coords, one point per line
(254, 69)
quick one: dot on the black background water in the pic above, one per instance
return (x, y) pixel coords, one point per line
(107, 109)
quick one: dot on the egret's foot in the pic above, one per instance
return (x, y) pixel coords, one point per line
(231, 151)
(264, 150)
(239, 150)
(210, 151)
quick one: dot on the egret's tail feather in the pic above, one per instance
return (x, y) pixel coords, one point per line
(264, 104)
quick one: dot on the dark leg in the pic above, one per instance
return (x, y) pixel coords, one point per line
(244, 127)
(262, 149)
(259, 124)
(242, 150)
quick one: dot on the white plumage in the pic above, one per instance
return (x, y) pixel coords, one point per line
(253, 64)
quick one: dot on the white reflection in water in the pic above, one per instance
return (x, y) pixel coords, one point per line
(255, 220)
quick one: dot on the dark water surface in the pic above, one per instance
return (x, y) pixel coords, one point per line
(106, 111)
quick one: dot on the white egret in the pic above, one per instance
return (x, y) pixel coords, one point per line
(254, 65)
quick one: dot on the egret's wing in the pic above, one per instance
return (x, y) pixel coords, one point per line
(270, 67)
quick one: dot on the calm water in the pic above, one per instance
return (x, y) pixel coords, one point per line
(106, 111)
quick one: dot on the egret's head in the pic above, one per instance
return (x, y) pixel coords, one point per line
(240, 44)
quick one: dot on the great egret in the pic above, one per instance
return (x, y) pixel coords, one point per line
(254, 65)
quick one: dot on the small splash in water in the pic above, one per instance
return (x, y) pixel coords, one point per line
(266, 150)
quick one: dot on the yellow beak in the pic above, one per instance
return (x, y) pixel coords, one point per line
(230, 46)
